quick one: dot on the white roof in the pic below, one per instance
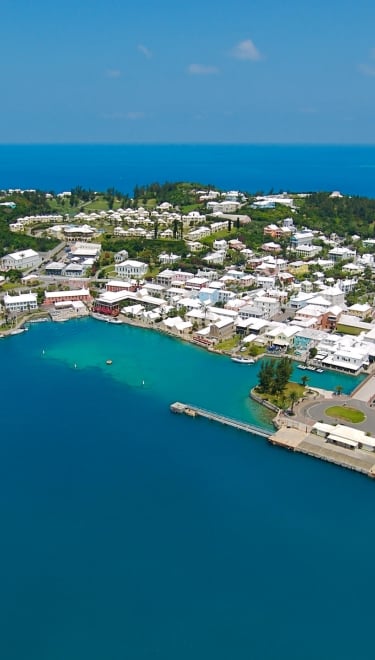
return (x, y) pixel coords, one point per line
(65, 294)
(23, 254)
(21, 298)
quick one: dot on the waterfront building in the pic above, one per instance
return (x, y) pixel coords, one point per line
(51, 297)
(23, 302)
(222, 329)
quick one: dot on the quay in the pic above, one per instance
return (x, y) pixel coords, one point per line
(295, 437)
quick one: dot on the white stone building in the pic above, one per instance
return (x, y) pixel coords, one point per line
(21, 260)
(131, 268)
(21, 303)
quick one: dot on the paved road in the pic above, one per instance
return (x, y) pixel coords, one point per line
(315, 411)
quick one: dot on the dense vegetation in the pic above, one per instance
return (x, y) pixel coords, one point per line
(29, 203)
(274, 375)
(178, 194)
(342, 215)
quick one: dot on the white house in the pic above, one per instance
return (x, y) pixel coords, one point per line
(21, 303)
(21, 260)
(131, 268)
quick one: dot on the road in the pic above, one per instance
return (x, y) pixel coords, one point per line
(315, 411)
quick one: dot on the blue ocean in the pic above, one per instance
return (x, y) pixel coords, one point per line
(251, 168)
(128, 532)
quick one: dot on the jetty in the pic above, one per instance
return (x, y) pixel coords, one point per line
(295, 437)
(194, 411)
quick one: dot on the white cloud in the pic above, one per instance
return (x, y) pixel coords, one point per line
(202, 70)
(246, 50)
(113, 73)
(145, 51)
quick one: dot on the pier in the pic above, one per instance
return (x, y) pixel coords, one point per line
(296, 438)
(194, 411)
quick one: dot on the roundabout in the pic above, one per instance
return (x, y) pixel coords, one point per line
(332, 411)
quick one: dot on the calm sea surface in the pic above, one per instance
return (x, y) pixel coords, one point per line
(252, 168)
(129, 532)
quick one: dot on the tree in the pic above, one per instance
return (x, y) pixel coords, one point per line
(339, 389)
(313, 352)
(304, 380)
(283, 371)
(265, 376)
(293, 398)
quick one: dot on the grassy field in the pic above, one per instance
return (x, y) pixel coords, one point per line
(283, 400)
(346, 413)
(228, 344)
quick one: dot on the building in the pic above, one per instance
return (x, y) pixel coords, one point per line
(131, 268)
(21, 260)
(55, 268)
(338, 253)
(24, 302)
(307, 251)
(51, 297)
(121, 256)
(222, 329)
(301, 238)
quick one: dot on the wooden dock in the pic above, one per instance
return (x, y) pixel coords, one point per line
(296, 440)
(194, 411)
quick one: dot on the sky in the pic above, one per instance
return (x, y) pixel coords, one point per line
(114, 71)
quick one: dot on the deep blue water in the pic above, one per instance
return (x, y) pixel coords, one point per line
(350, 169)
(129, 532)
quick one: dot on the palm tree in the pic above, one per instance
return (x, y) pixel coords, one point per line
(293, 398)
(304, 381)
(339, 389)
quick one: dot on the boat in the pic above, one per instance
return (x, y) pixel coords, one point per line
(17, 332)
(108, 362)
(311, 368)
(301, 366)
(320, 371)
(243, 360)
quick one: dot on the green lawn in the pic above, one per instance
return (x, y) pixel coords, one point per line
(346, 413)
(283, 400)
(228, 344)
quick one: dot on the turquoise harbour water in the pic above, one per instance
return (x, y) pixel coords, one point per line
(129, 532)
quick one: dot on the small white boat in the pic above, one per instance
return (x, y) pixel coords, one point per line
(17, 332)
(320, 371)
(301, 366)
(243, 360)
